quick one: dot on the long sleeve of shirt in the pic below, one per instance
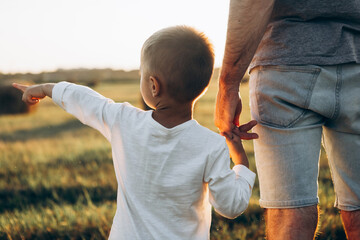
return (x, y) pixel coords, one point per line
(88, 106)
(230, 191)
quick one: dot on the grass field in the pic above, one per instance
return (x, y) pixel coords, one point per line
(57, 180)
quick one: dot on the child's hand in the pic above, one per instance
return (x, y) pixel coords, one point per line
(242, 131)
(33, 94)
(234, 143)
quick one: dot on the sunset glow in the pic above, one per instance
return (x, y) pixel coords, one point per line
(41, 35)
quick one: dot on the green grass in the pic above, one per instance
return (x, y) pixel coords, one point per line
(57, 180)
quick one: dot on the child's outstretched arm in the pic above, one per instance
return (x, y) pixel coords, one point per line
(33, 94)
(237, 152)
(85, 104)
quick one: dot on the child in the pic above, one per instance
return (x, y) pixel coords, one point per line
(169, 169)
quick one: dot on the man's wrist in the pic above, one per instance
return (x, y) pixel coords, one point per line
(229, 88)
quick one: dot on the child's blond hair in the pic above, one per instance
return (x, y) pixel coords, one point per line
(181, 57)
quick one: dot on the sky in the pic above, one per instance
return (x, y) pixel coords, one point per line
(45, 35)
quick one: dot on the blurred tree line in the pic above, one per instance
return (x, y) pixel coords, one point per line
(89, 77)
(84, 76)
(10, 98)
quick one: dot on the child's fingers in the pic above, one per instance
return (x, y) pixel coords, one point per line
(248, 126)
(20, 87)
(245, 135)
(28, 99)
(249, 136)
(33, 101)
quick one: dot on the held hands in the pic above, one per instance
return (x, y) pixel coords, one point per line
(234, 143)
(227, 110)
(33, 94)
(227, 113)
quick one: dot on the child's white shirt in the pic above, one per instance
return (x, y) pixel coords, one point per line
(167, 178)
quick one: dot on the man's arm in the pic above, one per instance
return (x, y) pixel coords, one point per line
(246, 26)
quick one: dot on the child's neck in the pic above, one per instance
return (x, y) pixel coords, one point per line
(172, 115)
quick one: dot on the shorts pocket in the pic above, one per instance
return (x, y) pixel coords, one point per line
(280, 95)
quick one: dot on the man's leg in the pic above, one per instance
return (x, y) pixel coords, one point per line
(351, 222)
(342, 145)
(290, 106)
(288, 181)
(343, 152)
(291, 223)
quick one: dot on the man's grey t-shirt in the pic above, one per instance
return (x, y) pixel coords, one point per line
(319, 32)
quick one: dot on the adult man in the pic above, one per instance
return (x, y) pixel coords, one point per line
(304, 83)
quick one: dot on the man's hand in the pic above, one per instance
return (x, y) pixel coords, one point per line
(227, 110)
(33, 94)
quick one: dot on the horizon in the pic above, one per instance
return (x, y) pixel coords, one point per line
(83, 68)
(42, 36)
(71, 69)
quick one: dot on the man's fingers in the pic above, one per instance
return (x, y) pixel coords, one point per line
(248, 126)
(238, 110)
(227, 135)
(227, 110)
(223, 122)
(20, 87)
(236, 120)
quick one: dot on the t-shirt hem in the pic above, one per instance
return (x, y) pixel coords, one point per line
(320, 61)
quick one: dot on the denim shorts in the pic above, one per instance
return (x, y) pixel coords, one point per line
(297, 107)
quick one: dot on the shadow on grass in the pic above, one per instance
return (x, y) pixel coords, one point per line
(87, 160)
(21, 199)
(41, 132)
(95, 156)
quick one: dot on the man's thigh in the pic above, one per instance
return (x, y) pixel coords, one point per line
(287, 151)
(342, 138)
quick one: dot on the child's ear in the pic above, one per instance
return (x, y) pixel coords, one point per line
(155, 86)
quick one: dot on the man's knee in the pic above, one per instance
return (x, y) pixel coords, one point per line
(310, 214)
(351, 222)
(291, 223)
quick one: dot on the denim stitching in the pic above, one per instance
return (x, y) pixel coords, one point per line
(296, 68)
(289, 203)
(315, 74)
(337, 91)
(315, 71)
